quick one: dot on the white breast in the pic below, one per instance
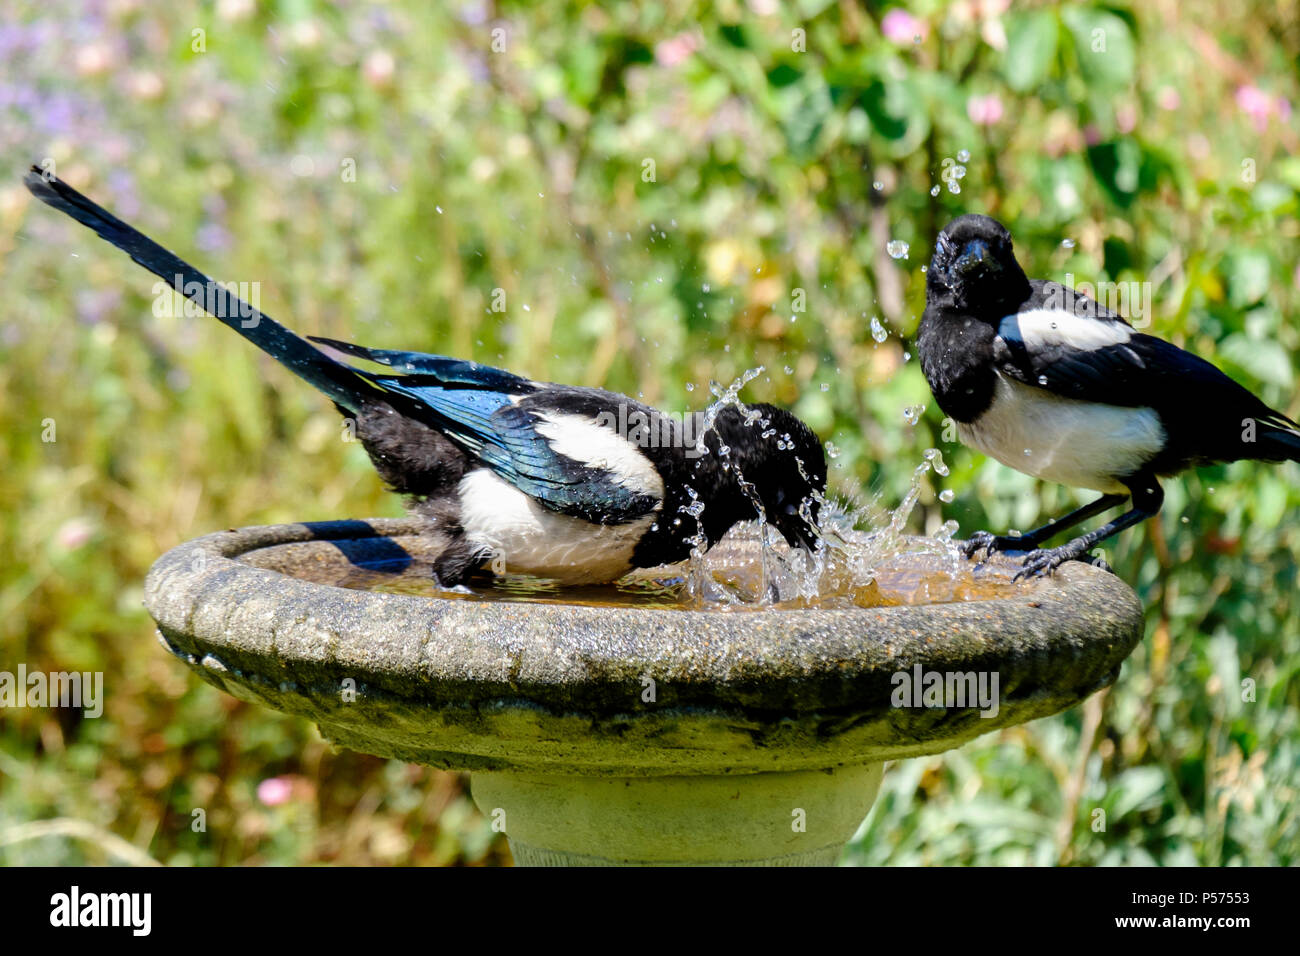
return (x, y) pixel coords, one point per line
(530, 539)
(1063, 440)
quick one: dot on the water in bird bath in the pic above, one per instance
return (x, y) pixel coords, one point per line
(866, 561)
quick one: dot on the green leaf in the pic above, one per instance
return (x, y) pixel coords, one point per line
(1104, 45)
(1247, 272)
(1266, 361)
(1031, 48)
(1118, 168)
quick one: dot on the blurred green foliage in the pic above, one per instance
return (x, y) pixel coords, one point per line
(657, 189)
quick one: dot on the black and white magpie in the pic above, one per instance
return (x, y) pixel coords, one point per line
(576, 484)
(1047, 381)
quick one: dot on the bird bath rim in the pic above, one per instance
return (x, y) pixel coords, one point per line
(507, 686)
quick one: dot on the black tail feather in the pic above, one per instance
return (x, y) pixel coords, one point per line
(344, 385)
(1277, 444)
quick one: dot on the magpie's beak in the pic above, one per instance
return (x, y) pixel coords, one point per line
(976, 259)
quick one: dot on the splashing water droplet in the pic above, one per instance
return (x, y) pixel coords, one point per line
(935, 458)
(946, 495)
(934, 191)
(963, 156)
(877, 185)
(877, 330)
(897, 249)
(1042, 380)
(912, 414)
(1067, 243)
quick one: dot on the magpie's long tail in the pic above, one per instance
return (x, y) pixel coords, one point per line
(344, 385)
(1278, 442)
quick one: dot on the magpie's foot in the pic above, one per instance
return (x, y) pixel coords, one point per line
(989, 543)
(1046, 560)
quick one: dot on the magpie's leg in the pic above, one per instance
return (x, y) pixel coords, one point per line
(1147, 499)
(990, 543)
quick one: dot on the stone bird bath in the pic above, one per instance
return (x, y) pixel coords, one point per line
(623, 735)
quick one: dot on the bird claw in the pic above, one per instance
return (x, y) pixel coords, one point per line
(1042, 561)
(989, 543)
(977, 542)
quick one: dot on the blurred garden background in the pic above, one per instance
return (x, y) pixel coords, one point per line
(667, 194)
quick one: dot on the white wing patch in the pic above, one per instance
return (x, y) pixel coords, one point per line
(1071, 442)
(586, 441)
(1052, 327)
(530, 539)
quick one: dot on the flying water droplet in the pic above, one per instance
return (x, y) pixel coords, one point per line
(963, 156)
(1067, 243)
(946, 495)
(912, 414)
(897, 249)
(877, 330)
(934, 191)
(935, 458)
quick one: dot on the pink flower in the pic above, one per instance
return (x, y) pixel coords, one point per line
(899, 26)
(274, 791)
(1126, 117)
(73, 533)
(676, 49)
(985, 110)
(1259, 106)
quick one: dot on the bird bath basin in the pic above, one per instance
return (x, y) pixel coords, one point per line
(628, 733)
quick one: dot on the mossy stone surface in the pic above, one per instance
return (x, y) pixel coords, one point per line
(513, 686)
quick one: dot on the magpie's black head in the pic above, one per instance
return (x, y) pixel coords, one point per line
(973, 268)
(780, 459)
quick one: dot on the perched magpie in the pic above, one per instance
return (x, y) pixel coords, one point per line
(576, 484)
(1047, 381)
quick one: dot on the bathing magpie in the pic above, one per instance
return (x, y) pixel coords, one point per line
(576, 484)
(1046, 380)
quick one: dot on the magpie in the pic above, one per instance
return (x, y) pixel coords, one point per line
(1047, 381)
(579, 485)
